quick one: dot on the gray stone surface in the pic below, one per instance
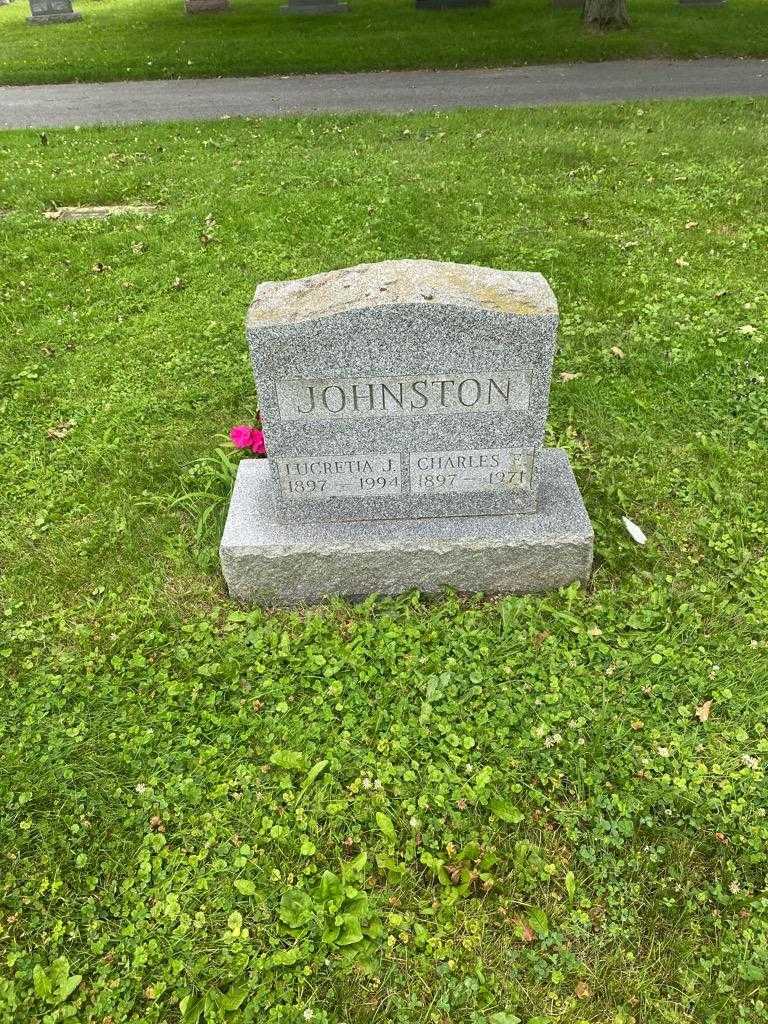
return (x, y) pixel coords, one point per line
(268, 562)
(46, 12)
(314, 7)
(205, 6)
(404, 389)
(442, 5)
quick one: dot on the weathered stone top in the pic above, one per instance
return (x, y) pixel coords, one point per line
(402, 283)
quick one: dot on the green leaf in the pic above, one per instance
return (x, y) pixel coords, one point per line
(67, 987)
(570, 885)
(234, 997)
(286, 957)
(505, 811)
(59, 971)
(350, 931)
(330, 890)
(245, 886)
(291, 760)
(504, 1018)
(307, 848)
(41, 982)
(295, 908)
(386, 827)
(538, 921)
(313, 773)
(191, 1009)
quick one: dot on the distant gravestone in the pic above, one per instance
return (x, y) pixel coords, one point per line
(45, 12)
(205, 6)
(404, 406)
(315, 7)
(442, 5)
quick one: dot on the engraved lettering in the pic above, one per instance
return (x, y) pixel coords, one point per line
(465, 390)
(305, 412)
(420, 394)
(471, 471)
(443, 388)
(451, 394)
(397, 399)
(342, 397)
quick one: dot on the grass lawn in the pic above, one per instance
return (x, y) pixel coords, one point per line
(454, 811)
(126, 39)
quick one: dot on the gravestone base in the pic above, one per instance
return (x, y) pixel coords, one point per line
(205, 6)
(268, 562)
(314, 7)
(441, 5)
(50, 19)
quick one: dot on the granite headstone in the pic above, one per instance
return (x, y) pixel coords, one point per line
(45, 12)
(404, 405)
(205, 6)
(315, 7)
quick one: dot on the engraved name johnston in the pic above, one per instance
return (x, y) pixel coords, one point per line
(427, 395)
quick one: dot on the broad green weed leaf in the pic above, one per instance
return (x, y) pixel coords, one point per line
(41, 982)
(191, 1009)
(295, 908)
(350, 931)
(291, 760)
(538, 921)
(245, 886)
(67, 987)
(386, 827)
(234, 998)
(505, 811)
(331, 889)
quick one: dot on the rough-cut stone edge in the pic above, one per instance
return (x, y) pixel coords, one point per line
(400, 283)
(267, 562)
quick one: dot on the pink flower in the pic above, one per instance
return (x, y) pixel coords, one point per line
(241, 436)
(248, 437)
(258, 447)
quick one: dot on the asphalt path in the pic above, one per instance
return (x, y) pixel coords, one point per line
(50, 106)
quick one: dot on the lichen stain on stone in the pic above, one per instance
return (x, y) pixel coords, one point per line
(392, 283)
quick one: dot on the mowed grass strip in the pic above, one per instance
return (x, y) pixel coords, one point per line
(549, 809)
(138, 39)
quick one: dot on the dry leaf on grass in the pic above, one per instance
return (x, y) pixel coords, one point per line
(60, 431)
(566, 376)
(702, 712)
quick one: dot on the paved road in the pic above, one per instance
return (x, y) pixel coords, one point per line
(43, 106)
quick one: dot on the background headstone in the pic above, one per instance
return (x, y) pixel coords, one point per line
(49, 11)
(404, 405)
(441, 5)
(315, 7)
(205, 6)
